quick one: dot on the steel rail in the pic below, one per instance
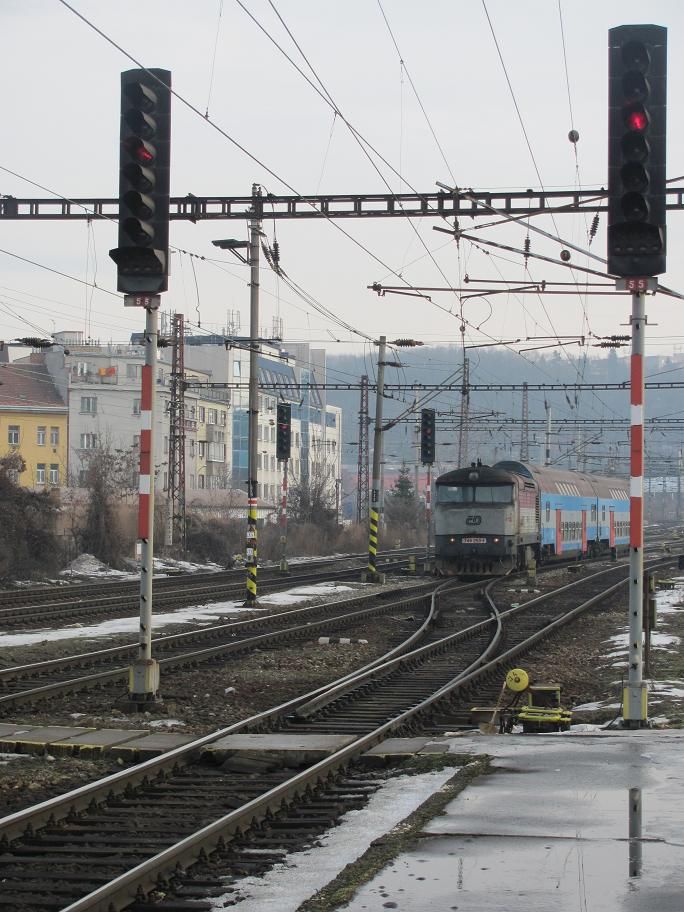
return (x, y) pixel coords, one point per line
(124, 888)
(197, 656)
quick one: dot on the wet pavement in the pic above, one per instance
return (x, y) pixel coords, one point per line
(569, 823)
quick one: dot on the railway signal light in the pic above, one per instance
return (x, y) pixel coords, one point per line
(636, 150)
(427, 436)
(142, 256)
(283, 431)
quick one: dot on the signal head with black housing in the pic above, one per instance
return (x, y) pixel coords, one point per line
(283, 431)
(142, 257)
(637, 103)
(427, 436)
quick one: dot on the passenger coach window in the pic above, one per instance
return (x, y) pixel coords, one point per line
(548, 512)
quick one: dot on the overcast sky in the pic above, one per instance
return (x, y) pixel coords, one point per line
(61, 121)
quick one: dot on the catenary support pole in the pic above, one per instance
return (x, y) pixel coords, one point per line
(635, 694)
(376, 487)
(253, 406)
(143, 684)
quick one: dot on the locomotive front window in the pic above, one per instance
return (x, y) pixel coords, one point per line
(454, 494)
(480, 494)
(494, 494)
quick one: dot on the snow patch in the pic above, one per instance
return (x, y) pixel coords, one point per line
(164, 723)
(288, 884)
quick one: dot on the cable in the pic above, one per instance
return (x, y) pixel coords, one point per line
(57, 272)
(213, 58)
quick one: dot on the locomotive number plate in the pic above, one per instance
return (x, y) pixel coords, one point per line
(474, 540)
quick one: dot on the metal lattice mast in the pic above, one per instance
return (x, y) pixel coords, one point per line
(362, 486)
(525, 426)
(177, 435)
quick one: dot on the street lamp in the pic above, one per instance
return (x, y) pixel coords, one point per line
(252, 259)
(233, 245)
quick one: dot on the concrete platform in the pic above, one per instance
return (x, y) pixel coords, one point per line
(38, 740)
(96, 742)
(292, 749)
(556, 827)
(407, 747)
(131, 745)
(148, 746)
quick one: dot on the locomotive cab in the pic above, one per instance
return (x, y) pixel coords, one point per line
(479, 517)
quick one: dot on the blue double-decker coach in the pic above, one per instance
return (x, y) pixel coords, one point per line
(493, 519)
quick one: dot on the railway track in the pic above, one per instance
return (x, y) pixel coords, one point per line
(99, 600)
(29, 685)
(70, 591)
(112, 844)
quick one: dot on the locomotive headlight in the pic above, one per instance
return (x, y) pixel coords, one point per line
(495, 540)
(452, 539)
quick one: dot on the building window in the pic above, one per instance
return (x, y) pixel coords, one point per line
(13, 435)
(133, 371)
(136, 441)
(88, 405)
(40, 473)
(236, 368)
(224, 419)
(212, 416)
(202, 449)
(54, 436)
(88, 441)
(54, 474)
(192, 447)
(200, 481)
(82, 369)
(41, 436)
(166, 444)
(202, 413)
(273, 465)
(136, 406)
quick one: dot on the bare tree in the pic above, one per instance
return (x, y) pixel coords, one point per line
(28, 542)
(311, 498)
(110, 479)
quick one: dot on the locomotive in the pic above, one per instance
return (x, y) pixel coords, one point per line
(490, 520)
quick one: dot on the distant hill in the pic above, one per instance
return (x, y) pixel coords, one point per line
(434, 364)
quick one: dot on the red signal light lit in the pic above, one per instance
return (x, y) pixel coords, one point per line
(637, 120)
(139, 150)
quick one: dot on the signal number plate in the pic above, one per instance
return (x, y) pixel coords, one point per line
(474, 540)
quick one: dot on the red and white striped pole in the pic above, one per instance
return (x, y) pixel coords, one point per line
(428, 510)
(635, 708)
(143, 683)
(283, 521)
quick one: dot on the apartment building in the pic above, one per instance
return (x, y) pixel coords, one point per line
(102, 385)
(33, 422)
